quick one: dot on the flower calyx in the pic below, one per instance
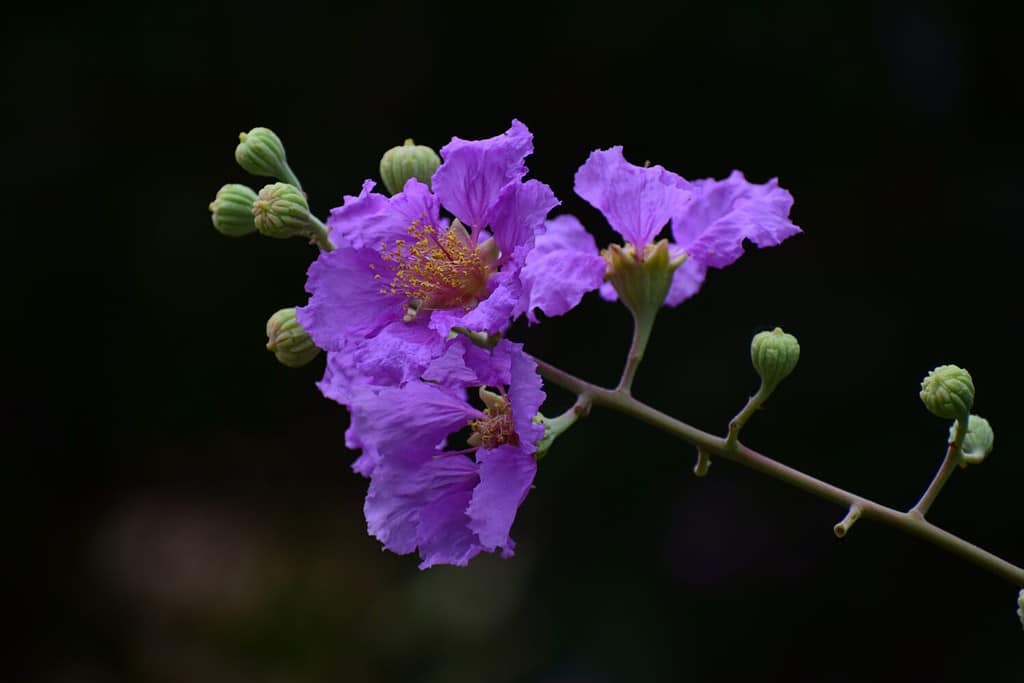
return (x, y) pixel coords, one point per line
(641, 278)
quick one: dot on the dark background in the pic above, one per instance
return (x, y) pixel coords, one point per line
(181, 507)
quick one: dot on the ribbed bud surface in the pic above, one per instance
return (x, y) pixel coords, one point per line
(774, 355)
(408, 161)
(281, 211)
(231, 211)
(291, 345)
(261, 152)
(948, 392)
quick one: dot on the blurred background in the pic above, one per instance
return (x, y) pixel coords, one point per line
(181, 506)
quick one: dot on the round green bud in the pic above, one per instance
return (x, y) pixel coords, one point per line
(948, 392)
(408, 161)
(774, 355)
(978, 441)
(281, 211)
(231, 211)
(291, 345)
(261, 152)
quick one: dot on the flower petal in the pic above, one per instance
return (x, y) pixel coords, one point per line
(418, 416)
(686, 282)
(518, 217)
(506, 474)
(475, 172)
(563, 266)
(345, 298)
(711, 229)
(525, 397)
(637, 201)
(372, 218)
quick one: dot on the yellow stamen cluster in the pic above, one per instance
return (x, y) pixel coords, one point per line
(495, 428)
(438, 270)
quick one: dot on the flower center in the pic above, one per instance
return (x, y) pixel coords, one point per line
(495, 428)
(437, 270)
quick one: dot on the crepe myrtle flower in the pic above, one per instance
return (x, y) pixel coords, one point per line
(451, 501)
(399, 262)
(710, 218)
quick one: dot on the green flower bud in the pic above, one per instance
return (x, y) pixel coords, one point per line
(281, 211)
(292, 345)
(774, 355)
(408, 161)
(232, 210)
(261, 152)
(948, 392)
(978, 442)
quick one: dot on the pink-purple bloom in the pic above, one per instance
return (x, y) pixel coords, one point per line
(403, 275)
(449, 501)
(710, 218)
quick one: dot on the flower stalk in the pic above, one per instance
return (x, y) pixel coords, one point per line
(912, 524)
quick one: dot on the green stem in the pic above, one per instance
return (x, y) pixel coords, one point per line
(913, 524)
(320, 234)
(736, 424)
(643, 323)
(288, 176)
(949, 464)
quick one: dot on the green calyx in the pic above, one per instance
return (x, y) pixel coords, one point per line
(261, 153)
(231, 210)
(774, 355)
(410, 160)
(281, 211)
(641, 280)
(948, 392)
(290, 344)
(977, 443)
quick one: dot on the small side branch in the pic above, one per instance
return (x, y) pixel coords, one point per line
(849, 520)
(703, 463)
(949, 464)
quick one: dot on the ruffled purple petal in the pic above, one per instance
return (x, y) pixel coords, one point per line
(399, 353)
(443, 533)
(686, 282)
(637, 201)
(492, 315)
(725, 212)
(506, 475)
(417, 500)
(475, 172)
(345, 298)
(372, 218)
(525, 397)
(418, 416)
(519, 215)
(563, 266)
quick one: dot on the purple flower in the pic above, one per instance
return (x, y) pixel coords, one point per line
(710, 218)
(398, 262)
(448, 501)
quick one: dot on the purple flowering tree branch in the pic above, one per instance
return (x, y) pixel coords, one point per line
(912, 522)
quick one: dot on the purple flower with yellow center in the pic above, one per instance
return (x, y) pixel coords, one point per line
(710, 218)
(451, 501)
(399, 262)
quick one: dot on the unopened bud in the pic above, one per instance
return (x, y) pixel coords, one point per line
(774, 355)
(292, 345)
(948, 392)
(261, 153)
(281, 211)
(231, 211)
(408, 161)
(978, 441)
